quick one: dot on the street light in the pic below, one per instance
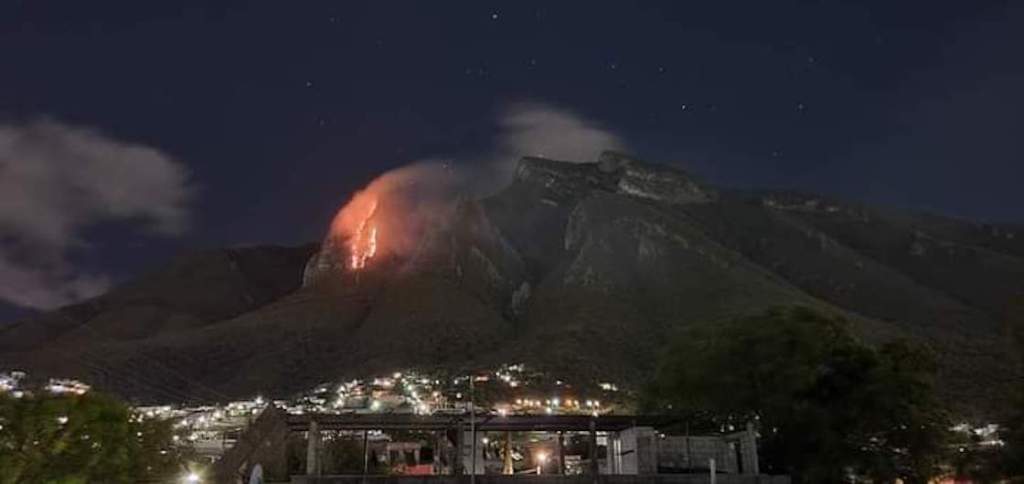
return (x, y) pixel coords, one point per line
(542, 458)
(192, 478)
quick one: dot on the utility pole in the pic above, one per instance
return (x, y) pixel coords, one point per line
(366, 452)
(472, 427)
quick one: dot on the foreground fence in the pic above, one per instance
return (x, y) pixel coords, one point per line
(532, 479)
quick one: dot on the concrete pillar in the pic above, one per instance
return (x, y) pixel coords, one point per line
(313, 450)
(472, 457)
(561, 453)
(594, 465)
(748, 450)
(437, 453)
(610, 454)
(507, 467)
(457, 467)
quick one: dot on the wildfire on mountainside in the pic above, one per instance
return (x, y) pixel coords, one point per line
(363, 244)
(388, 217)
(357, 225)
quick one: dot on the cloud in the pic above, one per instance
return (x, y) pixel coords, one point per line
(533, 129)
(57, 180)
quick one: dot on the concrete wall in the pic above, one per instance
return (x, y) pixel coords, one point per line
(495, 479)
(695, 452)
(640, 450)
(633, 451)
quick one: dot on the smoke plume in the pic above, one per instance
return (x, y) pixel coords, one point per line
(390, 215)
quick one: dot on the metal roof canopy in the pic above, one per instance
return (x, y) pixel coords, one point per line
(484, 423)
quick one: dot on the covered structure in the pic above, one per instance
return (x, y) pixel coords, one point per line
(615, 445)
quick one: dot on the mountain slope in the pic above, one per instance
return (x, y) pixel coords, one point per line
(581, 268)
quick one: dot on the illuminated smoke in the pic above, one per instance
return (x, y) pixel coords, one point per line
(390, 215)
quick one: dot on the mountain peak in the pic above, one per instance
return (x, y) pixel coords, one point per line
(614, 172)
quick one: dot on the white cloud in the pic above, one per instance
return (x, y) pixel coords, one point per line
(535, 129)
(540, 130)
(55, 181)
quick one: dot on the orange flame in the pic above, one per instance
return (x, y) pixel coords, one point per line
(363, 244)
(388, 217)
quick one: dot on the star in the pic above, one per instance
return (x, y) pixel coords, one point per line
(682, 108)
(309, 83)
(494, 15)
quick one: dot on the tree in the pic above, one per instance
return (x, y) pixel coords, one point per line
(826, 405)
(1012, 434)
(72, 439)
(1012, 427)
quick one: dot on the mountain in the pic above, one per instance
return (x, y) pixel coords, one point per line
(580, 268)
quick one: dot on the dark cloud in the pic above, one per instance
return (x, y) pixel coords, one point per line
(57, 180)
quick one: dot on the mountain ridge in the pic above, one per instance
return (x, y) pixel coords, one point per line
(584, 268)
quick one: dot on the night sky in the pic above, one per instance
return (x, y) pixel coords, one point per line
(259, 119)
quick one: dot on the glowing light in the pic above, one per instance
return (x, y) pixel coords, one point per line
(192, 477)
(542, 458)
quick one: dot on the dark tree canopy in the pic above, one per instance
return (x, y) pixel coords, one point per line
(826, 405)
(78, 439)
(1011, 460)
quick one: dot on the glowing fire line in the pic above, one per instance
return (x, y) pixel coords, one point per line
(363, 245)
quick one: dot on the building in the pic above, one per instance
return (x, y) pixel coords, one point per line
(610, 448)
